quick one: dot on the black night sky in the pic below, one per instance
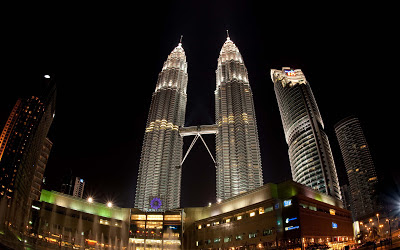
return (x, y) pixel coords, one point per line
(106, 60)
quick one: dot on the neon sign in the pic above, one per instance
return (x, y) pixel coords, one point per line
(291, 228)
(290, 219)
(290, 72)
(287, 203)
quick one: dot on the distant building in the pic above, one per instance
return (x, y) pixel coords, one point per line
(21, 147)
(359, 166)
(310, 154)
(79, 186)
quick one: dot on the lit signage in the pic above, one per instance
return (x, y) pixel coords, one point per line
(334, 225)
(291, 228)
(155, 203)
(287, 203)
(290, 219)
(290, 72)
(173, 227)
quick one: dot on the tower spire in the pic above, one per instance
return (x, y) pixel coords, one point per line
(180, 40)
(227, 34)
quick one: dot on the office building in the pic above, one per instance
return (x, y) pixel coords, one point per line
(159, 178)
(237, 146)
(309, 151)
(360, 168)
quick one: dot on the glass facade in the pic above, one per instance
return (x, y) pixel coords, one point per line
(310, 154)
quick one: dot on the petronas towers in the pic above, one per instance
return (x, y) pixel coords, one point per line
(238, 161)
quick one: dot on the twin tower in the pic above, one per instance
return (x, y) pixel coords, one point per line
(238, 161)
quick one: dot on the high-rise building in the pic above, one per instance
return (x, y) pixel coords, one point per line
(359, 166)
(22, 141)
(159, 178)
(310, 154)
(78, 187)
(237, 146)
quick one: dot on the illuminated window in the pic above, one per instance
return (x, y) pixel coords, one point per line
(227, 239)
(138, 217)
(155, 217)
(261, 210)
(154, 225)
(228, 220)
(208, 224)
(104, 222)
(332, 211)
(252, 214)
(252, 235)
(172, 217)
(239, 237)
(239, 217)
(199, 227)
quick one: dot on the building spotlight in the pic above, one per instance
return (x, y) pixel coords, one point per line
(90, 199)
(109, 204)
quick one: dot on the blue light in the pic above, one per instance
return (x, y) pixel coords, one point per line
(81, 180)
(334, 225)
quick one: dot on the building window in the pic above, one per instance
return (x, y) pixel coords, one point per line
(252, 235)
(267, 232)
(252, 214)
(138, 217)
(227, 239)
(239, 237)
(239, 217)
(217, 240)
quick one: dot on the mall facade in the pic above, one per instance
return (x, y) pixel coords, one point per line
(284, 215)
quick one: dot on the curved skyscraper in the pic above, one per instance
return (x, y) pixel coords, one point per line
(159, 178)
(310, 154)
(237, 147)
(359, 166)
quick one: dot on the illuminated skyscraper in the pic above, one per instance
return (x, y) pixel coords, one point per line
(237, 147)
(159, 178)
(310, 154)
(21, 146)
(359, 166)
